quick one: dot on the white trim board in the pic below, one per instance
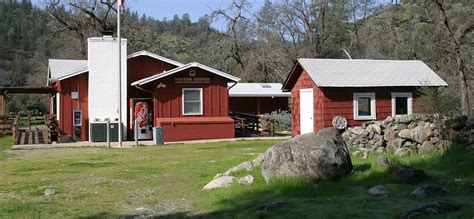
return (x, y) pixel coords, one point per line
(373, 106)
(306, 110)
(201, 102)
(179, 69)
(409, 97)
(155, 56)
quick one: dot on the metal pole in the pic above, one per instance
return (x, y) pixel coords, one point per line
(108, 133)
(136, 133)
(120, 76)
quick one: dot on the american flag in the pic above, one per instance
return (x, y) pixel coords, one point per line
(121, 3)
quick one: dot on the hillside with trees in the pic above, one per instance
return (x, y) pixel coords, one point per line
(258, 47)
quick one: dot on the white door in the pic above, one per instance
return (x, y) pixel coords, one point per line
(306, 111)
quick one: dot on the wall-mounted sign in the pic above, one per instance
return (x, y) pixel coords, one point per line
(192, 73)
(74, 95)
(193, 80)
(77, 118)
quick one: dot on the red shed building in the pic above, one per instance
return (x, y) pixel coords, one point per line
(360, 90)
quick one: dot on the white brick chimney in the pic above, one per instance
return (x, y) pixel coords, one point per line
(103, 80)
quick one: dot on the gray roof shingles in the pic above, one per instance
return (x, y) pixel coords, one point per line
(257, 90)
(59, 68)
(370, 73)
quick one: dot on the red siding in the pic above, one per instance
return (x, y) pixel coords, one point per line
(141, 67)
(339, 101)
(168, 101)
(331, 102)
(185, 129)
(215, 121)
(304, 81)
(138, 68)
(68, 105)
(257, 105)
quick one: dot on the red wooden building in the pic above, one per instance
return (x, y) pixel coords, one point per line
(189, 101)
(359, 90)
(257, 98)
(69, 78)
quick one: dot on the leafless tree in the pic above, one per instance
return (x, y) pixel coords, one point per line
(235, 18)
(81, 17)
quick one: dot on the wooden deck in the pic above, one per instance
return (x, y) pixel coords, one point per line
(32, 136)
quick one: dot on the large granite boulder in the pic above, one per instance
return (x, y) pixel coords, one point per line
(317, 156)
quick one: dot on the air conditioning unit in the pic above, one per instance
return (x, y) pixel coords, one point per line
(98, 132)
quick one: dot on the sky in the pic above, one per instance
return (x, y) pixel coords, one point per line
(160, 9)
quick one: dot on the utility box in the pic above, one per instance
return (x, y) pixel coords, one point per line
(98, 132)
(158, 138)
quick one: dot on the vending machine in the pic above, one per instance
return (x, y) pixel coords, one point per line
(141, 113)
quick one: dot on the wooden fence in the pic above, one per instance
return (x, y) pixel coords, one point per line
(9, 125)
(2, 105)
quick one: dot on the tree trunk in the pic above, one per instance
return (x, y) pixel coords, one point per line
(463, 87)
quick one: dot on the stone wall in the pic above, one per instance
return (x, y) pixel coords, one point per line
(404, 135)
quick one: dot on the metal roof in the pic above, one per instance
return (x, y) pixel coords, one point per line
(370, 73)
(257, 90)
(178, 69)
(62, 68)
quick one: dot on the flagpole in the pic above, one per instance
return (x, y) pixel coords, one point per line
(119, 75)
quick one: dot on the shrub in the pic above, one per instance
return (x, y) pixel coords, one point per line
(439, 102)
(281, 118)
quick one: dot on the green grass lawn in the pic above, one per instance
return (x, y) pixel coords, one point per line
(167, 180)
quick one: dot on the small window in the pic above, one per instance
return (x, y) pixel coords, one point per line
(364, 106)
(192, 101)
(401, 103)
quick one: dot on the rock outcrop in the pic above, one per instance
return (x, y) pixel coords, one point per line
(432, 208)
(220, 182)
(428, 191)
(247, 180)
(318, 156)
(406, 174)
(379, 191)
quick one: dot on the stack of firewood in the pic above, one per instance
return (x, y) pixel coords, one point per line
(53, 129)
(6, 125)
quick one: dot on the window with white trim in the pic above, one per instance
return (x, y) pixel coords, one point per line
(192, 101)
(364, 106)
(402, 103)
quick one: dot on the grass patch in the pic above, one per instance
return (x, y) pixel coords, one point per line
(5, 144)
(167, 180)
